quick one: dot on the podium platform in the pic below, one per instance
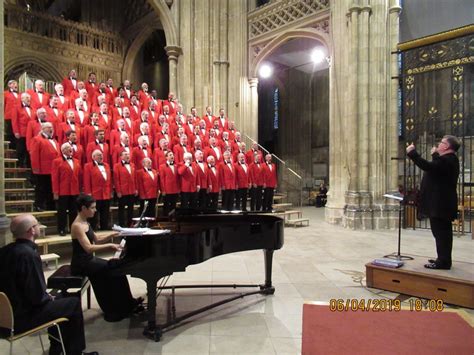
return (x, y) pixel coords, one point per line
(455, 286)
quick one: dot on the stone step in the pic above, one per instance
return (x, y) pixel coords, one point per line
(42, 214)
(281, 206)
(298, 222)
(19, 203)
(19, 191)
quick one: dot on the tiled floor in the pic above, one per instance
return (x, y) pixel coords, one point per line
(317, 263)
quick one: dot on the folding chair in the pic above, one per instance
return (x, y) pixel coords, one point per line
(7, 322)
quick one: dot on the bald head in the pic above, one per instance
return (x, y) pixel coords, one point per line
(25, 226)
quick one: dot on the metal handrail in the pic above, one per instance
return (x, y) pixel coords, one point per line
(284, 163)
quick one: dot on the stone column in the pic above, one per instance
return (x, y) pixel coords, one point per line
(173, 53)
(394, 13)
(5, 236)
(252, 122)
(352, 195)
(224, 55)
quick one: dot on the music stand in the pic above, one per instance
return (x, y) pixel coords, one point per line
(397, 255)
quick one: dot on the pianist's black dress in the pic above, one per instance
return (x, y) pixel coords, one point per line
(111, 291)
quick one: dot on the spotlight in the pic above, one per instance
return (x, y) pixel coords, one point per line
(265, 71)
(317, 55)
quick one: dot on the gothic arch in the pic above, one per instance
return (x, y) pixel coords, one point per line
(279, 40)
(171, 34)
(45, 69)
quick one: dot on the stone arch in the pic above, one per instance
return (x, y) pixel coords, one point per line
(171, 34)
(47, 70)
(279, 40)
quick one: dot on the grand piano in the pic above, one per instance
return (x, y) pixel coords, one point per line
(194, 238)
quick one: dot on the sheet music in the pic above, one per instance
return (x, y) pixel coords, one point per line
(118, 253)
(139, 231)
(398, 197)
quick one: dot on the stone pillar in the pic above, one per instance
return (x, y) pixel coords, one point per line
(394, 13)
(5, 236)
(252, 122)
(224, 55)
(362, 129)
(173, 53)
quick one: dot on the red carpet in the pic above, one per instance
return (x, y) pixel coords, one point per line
(404, 332)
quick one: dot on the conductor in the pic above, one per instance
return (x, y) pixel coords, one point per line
(438, 195)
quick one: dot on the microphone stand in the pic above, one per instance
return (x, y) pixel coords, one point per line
(398, 255)
(139, 223)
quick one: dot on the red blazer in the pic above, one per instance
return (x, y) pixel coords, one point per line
(78, 153)
(214, 180)
(269, 177)
(20, 120)
(169, 181)
(91, 89)
(225, 126)
(249, 156)
(35, 102)
(178, 151)
(93, 146)
(256, 174)
(116, 114)
(172, 105)
(242, 176)
(85, 121)
(63, 128)
(94, 182)
(11, 103)
(68, 86)
(147, 187)
(124, 182)
(42, 154)
(227, 176)
(135, 112)
(88, 133)
(209, 121)
(32, 130)
(111, 91)
(209, 151)
(115, 137)
(203, 175)
(138, 155)
(117, 150)
(159, 157)
(54, 118)
(63, 102)
(188, 179)
(64, 180)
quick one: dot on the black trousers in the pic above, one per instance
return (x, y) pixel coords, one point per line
(188, 199)
(21, 153)
(65, 204)
(125, 201)
(442, 230)
(102, 215)
(268, 198)
(241, 199)
(256, 198)
(151, 208)
(9, 134)
(169, 203)
(202, 199)
(43, 192)
(228, 199)
(212, 199)
(71, 331)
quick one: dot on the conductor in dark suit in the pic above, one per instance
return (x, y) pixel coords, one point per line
(438, 195)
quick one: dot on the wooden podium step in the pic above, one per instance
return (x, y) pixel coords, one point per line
(455, 286)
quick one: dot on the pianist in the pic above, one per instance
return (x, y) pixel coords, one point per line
(111, 291)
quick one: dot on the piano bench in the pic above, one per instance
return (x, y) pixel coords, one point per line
(62, 280)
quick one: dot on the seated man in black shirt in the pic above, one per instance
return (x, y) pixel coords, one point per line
(22, 279)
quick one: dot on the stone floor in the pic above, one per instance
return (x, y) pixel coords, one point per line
(317, 263)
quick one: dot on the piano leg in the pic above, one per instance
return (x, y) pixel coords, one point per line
(151, 331)
(268, 289)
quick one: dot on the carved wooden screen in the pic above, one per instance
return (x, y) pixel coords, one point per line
(438, 99)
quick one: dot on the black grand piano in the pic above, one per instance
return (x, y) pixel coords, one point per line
(194, 238)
